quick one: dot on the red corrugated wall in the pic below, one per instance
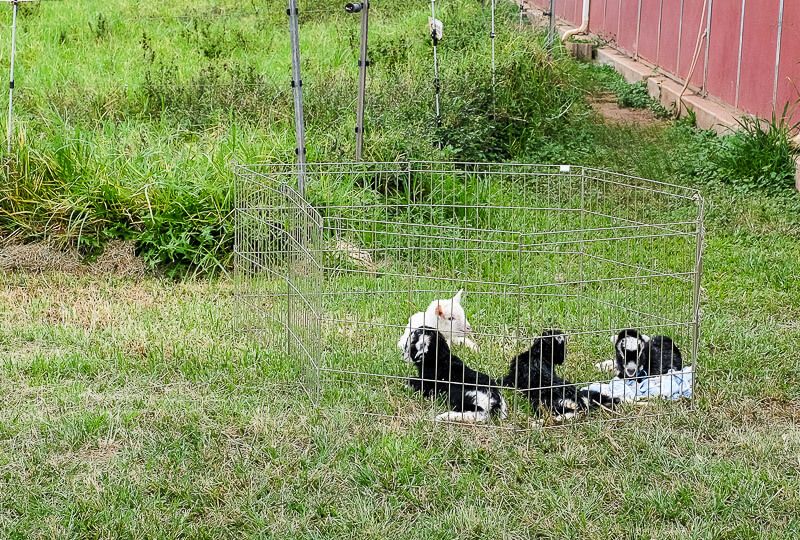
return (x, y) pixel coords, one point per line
(788, 87)
(724, 51)
(752, 46)
(694, 20)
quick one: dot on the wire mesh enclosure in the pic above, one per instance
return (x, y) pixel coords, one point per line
(332, 276)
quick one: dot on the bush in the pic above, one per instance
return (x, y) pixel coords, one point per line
(535, 96)
(760, 155)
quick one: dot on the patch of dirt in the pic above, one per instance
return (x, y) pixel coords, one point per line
(89, 309)
(777, 410)
(119, 258)
(606, 106)
(39, 257)
(97, 453)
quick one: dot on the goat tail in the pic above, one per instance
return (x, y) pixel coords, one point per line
(593, 399)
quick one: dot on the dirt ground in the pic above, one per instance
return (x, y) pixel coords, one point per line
(118, 258)
(606, 105)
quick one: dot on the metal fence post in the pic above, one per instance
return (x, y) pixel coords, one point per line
(437, 87)
(492, 35)
(10, 134)
(297, 87)
(363, 63)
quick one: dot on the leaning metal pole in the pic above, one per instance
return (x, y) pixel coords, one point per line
(551, 34)
(436, 83)
(10, 134)
(492, 35)
(363, 63)
(297, 88)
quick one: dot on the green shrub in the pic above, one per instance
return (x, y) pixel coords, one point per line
(135, 140)
(760, 155)
(535, 95)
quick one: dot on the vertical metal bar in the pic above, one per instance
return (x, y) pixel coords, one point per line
(700, 239)
(314, 291)
(492, 35)
(363, 62)
(658, 39)
(638, 29)
(289, 263)
(436, 84)
(739, 61)
(583, 226)
(680, 38)
(297, 86)
(551, 33)
(10, 134)
(778, 58)
(708, 47)
(518, 315)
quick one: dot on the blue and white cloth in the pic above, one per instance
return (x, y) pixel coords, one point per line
(673, 385)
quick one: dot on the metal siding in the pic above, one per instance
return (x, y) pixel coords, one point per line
(668, 39)
(758, 56)
(542, 4)
(673, 46)
(724, 53)
(596, 16)
(611, 23)
(626, 37)
(575, 12)
(561, 9)
(692, 11)
(648, 30)
(565, 10)
(789, 69)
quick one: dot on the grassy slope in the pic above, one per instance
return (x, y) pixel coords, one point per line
(132, 409)
(128, 116)
(135, 409)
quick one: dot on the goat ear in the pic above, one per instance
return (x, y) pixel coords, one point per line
(459, 295)
(614, 340)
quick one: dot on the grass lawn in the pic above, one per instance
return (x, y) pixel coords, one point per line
(137, 407)
(133, 408)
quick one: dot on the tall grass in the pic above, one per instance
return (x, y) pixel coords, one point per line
(760, 155)
(127, 119)
(128, 114)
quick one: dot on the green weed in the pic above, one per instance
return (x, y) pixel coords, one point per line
(760, 155)
(132, 139)
(630, 95)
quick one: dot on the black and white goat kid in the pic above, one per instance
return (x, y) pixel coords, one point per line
(472, 396)
(533, 373)
(638, 355)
